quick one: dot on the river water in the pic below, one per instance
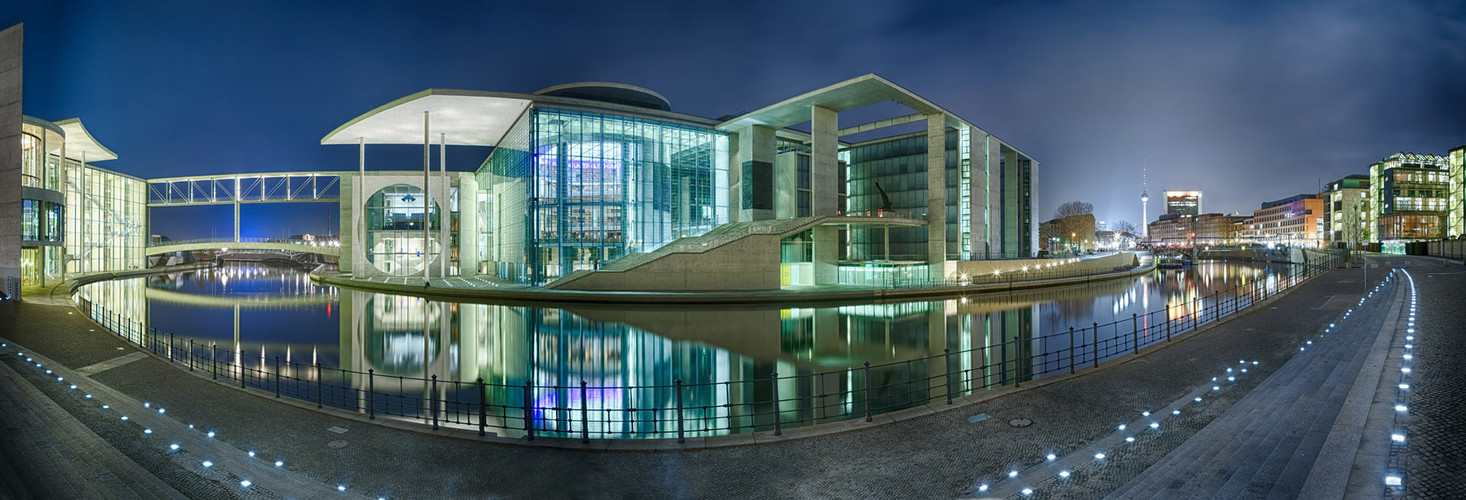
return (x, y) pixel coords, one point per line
(635, 361)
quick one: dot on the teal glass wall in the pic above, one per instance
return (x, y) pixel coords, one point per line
(899, 165)
(574, 190)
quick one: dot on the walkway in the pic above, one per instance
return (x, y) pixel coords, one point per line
(944, 455)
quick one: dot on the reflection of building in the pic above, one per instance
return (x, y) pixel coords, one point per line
(1410, 193)
(583, 175)
(1183, 203)
(1346, 206)
(1297, 220)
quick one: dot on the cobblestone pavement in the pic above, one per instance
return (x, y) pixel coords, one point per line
(937, 456)
(1436, 431)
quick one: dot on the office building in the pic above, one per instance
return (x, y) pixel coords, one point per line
(1293, 221)
(1410, 196)
(1183, 203)
(1346, 209)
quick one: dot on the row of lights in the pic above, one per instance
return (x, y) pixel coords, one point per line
(173, 447)
(1230, 376)
(1396, 479)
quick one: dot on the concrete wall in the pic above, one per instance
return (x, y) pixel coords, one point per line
(1451, 249)
(751, 263)
(11, 43)
(1006, 266)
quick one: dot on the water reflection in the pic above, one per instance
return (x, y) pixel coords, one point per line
(632, 360)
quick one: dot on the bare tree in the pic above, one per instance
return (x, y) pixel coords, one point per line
(1123, 226)
(1073, 208)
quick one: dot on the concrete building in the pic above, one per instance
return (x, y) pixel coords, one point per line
(1183, 203)
(1346, 208)
(1172, 230)
(1293, 221)
(1219, 229)
(1075, 233)
(584, 176)
(11, 42)
(1410, 196)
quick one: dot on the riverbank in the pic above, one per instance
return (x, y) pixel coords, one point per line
(477, 289)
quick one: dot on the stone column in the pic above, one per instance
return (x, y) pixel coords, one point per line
(347, 221)
(824, 191)
(11, 41)
(936, 196)
(467, 225)
(756, 147)
(826, 255)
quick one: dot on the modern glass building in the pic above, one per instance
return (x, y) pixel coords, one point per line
(582, 176)
(570, 190)
(1410, 192)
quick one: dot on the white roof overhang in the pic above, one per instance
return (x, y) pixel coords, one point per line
(466, 117)
(79, 141)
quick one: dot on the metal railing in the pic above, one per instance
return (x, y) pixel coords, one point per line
(682, 410)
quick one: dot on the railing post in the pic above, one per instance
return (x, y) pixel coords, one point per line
(1168, 322)
(170, 346)
(528, 410)
(277, 377)
(214, 359)
(1216, 307)
(1096, 344)
(483, 411)
(433, 403)
(778, 423)
(1002, 360)
(681, 436)
(1071, 350)
(584, 416)
(319, 394)
(1135, 330)
(947, 368)
(190, 354)
(1195, 311)
(867, 392)
(371, 391)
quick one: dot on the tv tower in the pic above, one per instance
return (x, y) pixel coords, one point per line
(1144, 204)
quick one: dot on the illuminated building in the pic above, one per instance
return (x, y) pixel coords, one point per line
(1456, 218)
(1183, 203)
(1295, 221)
(1410, 196)
(1346, 208)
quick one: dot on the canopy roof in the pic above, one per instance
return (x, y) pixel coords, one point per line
(467, 117)
(79, 141)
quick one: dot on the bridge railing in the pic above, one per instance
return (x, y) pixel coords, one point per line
(683, 409)
(226, 241)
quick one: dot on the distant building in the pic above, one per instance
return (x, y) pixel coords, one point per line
(1183, 203)
(1218, 228)
(1410, 192)
(1068, 234)
(1296, 221)
(1346, 208)
(1172, 229)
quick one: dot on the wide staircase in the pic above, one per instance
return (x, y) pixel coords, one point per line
(707, 242)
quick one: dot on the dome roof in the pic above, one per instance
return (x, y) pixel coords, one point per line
(610, 92)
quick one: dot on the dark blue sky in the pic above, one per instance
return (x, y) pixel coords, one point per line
(1246, 101)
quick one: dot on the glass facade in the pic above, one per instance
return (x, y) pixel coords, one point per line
(898, 166)
(1411, 196)
(106, 226)
(394, 230)
(573, 190)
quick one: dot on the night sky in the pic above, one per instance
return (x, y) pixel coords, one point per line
(1248, 102)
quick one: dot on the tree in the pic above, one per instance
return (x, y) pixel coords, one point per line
(1123, 226)
(1073, 208)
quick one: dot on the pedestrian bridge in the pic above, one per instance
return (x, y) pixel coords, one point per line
(223, 244)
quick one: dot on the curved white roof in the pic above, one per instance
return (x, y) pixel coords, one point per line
(468, 117)
(79, 141)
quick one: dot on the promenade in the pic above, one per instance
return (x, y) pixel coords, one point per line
(1290, 426)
